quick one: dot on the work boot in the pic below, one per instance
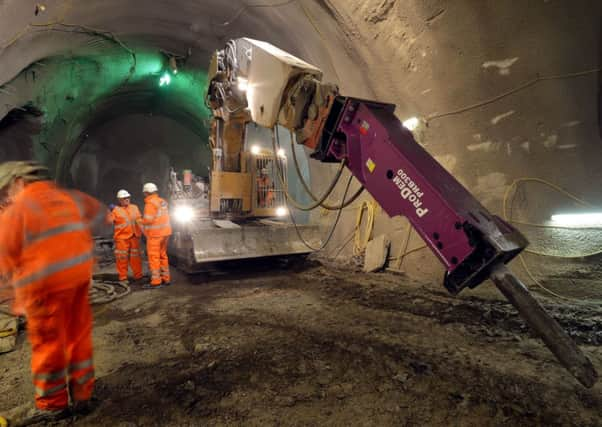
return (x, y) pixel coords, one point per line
(149, 286)
(138, 281)
(124, 282)
(28, 414)
(84, 407)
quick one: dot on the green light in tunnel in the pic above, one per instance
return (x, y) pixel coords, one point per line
(165, 79)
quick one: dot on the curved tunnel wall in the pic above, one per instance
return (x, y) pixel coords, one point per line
(429, 57)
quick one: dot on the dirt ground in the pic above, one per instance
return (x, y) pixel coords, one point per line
(321, 345)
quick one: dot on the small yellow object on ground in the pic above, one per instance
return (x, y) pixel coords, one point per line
(8, 334)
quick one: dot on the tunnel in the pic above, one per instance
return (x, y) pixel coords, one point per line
(504, 95)
(69, 75)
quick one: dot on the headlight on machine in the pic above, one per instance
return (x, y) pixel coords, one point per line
(281, 211)
(183, 214)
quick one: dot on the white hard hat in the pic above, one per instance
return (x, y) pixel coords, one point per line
(264, 171)
(123, 194)
(149, 187)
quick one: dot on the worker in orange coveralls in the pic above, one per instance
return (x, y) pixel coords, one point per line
(6, 293)
(46, 249)
(157, 230)
(265, 189)
(126, 220)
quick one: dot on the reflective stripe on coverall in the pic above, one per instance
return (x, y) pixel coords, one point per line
(46, 247)
(127, 240)
(157, 229)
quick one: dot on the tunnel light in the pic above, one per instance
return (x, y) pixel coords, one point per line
(165, 79)
(281, 211)
(281, 153)
(173, 65)
(255, 150)
(411, 124)
(183, 214)
(243, 84)
(578, 220)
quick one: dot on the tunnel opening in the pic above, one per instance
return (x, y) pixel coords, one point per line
(17, 130)
(130, 150)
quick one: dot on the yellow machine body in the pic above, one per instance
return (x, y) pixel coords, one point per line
(228, 190)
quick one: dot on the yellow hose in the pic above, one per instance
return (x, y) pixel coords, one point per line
(360, 242)
(8, 333)
(539, 284)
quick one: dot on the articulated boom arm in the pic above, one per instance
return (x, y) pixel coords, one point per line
(474, 245)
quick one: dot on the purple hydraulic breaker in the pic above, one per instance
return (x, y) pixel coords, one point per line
(473, 244)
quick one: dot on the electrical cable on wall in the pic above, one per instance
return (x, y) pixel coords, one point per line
(508, 203)
(107, 35)
(67, 5)
(244, 7)
(519, 88)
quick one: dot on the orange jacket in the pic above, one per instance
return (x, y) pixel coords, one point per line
(156, 217)
(126, 222)
(45, 240)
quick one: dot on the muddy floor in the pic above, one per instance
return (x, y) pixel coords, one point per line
(319, 345)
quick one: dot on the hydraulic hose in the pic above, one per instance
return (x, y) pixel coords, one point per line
(332, 228)
(316, 203)
(288, 198)
(306, 186)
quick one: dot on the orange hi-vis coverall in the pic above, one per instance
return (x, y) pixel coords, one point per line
(157, 230)
(46, 249)
(265, 192)
(127, 232)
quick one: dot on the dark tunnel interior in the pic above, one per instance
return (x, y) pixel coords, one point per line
(130, 150)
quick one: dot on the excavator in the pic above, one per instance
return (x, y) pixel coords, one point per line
(253, 81)
(240, 211)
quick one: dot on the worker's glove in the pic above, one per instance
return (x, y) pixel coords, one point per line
(111, 207)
